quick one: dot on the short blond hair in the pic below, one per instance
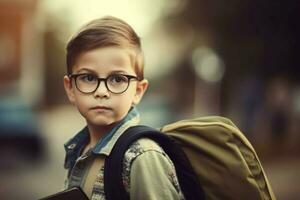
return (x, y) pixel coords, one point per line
(105, 32)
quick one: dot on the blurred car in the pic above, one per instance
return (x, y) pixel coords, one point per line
(20, 136)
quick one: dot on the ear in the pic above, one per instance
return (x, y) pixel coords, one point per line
(140, 90)
(69, 89)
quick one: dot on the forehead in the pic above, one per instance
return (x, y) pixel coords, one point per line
(106, 58)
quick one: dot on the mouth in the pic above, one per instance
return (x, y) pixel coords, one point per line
(100, 108)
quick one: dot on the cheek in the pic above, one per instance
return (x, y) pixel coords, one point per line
(81, 104)
(130, 96)
(125, 101)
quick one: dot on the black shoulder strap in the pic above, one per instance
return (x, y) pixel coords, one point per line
(113, 182)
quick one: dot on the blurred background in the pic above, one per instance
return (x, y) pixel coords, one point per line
(238, 59)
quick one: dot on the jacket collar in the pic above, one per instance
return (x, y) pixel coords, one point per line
(75, 145)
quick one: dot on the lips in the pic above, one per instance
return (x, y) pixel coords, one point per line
(101, 108)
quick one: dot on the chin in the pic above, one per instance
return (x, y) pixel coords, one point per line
(103, 120)
(101, 123)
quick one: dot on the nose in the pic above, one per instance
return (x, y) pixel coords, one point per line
(102, 90)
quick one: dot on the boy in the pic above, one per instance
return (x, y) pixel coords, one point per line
(105, 81)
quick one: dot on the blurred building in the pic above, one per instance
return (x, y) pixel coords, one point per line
(20, 47)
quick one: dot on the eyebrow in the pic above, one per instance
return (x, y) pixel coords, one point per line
(118, 72)
(94, 72)
(86, 69)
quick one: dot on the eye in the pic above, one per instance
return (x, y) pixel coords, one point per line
(117, 78)
(88, 78)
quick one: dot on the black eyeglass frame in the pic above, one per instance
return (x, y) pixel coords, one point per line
(130, 77)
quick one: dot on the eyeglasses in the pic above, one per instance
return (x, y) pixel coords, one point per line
(115, 83)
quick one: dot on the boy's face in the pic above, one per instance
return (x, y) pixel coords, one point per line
(102, 107)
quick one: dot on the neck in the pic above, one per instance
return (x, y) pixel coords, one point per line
(97, 133)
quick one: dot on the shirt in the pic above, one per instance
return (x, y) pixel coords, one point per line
(148, 173)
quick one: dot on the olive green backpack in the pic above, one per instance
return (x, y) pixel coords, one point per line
(222, 160)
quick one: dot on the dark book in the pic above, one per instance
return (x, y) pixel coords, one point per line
(74, 193)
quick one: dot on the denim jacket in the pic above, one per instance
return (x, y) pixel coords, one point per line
(148, 173)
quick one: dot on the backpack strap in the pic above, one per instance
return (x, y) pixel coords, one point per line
(113, 182)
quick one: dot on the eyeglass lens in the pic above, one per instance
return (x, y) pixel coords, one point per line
(115, 83)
